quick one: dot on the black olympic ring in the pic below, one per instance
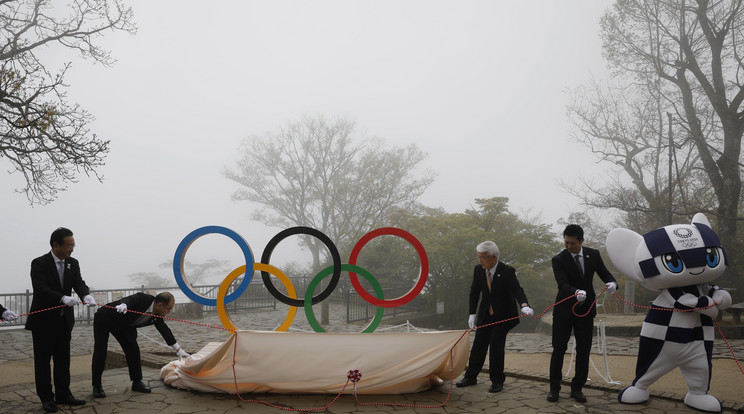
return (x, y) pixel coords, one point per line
(266, 256)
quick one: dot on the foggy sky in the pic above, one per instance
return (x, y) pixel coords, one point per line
(478, 85)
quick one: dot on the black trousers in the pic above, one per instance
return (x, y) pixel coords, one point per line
(582, 330)
(127, 338)
(491, 339)
(53, 342)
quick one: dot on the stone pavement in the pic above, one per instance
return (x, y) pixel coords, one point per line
(524, 392)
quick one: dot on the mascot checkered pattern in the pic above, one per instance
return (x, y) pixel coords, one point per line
(680, 261)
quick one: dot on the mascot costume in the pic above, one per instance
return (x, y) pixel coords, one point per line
(679, 261)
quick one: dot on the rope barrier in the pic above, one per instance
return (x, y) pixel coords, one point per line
(354, 375)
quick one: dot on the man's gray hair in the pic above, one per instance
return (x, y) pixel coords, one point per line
(488, 247)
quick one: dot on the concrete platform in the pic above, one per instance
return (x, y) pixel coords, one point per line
(524, 392)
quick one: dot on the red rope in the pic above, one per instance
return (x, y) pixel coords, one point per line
(451, 351)
(237, 391)
(720, 331)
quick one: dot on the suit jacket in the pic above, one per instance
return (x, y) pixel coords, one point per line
(48, 292)
(569, 278)
(505, 294)
(127, 322)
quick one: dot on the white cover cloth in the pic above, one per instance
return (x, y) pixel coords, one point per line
(298, 362)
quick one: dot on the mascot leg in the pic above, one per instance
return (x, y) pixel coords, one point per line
(696, 371)
(653, 362)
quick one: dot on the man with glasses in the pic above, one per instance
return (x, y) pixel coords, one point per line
(121, 319)
(52, 316)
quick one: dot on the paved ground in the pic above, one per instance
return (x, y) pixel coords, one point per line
(524, 391)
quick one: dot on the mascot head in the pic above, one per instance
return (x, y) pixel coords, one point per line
(675, 255)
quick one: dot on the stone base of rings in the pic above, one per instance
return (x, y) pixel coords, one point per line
(116, 359)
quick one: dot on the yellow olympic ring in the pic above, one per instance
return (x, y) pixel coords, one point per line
(225, 285)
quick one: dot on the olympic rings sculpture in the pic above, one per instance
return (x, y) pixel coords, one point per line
(291, 298)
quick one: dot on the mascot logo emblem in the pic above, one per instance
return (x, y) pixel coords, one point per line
(682, 232)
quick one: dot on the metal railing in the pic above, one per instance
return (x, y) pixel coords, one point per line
(254, 297)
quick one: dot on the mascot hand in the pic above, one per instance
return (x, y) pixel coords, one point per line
(611, 288)
(528, 311)
(722, 299)
(580, 295)
(711, 312)
(471, 321)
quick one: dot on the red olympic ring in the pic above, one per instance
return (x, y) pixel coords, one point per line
(390, 303)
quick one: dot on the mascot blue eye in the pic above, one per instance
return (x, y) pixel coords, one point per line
(712, 257)
(672, 262)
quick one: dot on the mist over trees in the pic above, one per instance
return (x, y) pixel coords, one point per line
(671, 120)
(194, 273)
(45, 137)
(322, 173)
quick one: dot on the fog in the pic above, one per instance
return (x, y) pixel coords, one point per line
(478, 85)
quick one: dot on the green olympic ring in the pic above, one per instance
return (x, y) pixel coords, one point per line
(346, 268)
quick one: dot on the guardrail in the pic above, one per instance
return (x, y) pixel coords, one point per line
(254, 297)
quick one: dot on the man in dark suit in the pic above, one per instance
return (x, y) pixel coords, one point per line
(499, 291)
(115, 319)
(574, 269)
(53, 276)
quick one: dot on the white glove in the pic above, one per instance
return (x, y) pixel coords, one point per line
(580, 295)
(89, 301)
(121, 308)
(179, 351)
(9, 315)
(528, 311)
(611, 288)
(471, 321)
(722, 299)
(69, 301)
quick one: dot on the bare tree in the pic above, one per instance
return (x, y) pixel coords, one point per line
(686, 55)
(311, 173)
(658, 179)
(195, 273)
(45, 137)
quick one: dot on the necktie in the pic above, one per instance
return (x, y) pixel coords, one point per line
(578, 263)
(61, 271)
(488, 282)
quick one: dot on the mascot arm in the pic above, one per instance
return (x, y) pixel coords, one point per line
(688, 301)
(721, 297)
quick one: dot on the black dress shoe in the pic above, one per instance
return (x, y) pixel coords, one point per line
(496, 388)
(553, 396)
(49, 406)
(578, 396)
(98, 392)
(70, 400)
(140, 386)
(466, 382)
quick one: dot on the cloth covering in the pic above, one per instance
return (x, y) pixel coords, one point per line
(299, 362)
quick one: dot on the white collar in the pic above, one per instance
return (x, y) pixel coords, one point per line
(56, 259)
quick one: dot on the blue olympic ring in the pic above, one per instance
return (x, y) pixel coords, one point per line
(181, 253)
